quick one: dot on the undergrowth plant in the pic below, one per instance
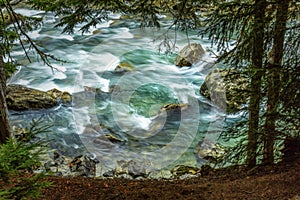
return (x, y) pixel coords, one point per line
(19, 157)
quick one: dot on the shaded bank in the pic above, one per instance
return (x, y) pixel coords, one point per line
(279, 181)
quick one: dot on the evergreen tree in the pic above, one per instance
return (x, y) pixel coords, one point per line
(259, 28)
(274, 71)
(12, 27)
(4, 123)
(246, 21)
(255, 85)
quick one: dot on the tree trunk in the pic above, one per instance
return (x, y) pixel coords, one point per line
(4, 123)
(274, 73)
(255, 84)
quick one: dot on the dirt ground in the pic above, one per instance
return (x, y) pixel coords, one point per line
(281, 181)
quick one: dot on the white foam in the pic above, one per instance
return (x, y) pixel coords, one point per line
(64, 36)
(96, 82)
(34, 34)
(141, 122)
(60, 68)
(21, 82)
(127, 119)
(82, 118)
(102, 62)
(123, 35)
(114, 16)
(27, 12)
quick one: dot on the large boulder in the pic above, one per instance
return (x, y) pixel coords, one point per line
(226, 85)
(19, 97)
(189, 55)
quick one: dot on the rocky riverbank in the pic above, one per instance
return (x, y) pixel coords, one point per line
(279, 181)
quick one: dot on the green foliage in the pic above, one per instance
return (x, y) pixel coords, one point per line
(10, 69)
(18, 160)
(14, 27)
(89, 13)
(184, 13)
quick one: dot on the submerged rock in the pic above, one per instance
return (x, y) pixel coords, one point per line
(124, 67)
(19, 97)
(226, 85)
(173, 106)
(189, 55)
(173, 110)
(113, 138)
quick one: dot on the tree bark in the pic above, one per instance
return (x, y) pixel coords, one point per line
(274, 74)
(4, 122)
(255, 84)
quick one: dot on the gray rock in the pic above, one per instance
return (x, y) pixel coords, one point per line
(207, 151)
(227, 88)
(133, 168)
(57, 164)
(189, 55)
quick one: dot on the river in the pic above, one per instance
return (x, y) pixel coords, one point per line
(126, 104)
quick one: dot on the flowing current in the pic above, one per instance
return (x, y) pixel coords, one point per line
(117, 115)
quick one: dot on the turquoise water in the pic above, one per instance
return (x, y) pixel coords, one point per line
(126, 105)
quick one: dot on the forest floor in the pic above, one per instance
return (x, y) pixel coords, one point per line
(280, 181)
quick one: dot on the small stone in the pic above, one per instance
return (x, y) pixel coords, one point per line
(55, 93)
(66, 98)
(133, 168)
(96, 31)
(182, 170)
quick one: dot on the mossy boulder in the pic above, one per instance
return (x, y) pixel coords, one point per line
(227, 88)
(19, 97)
(189, 55)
